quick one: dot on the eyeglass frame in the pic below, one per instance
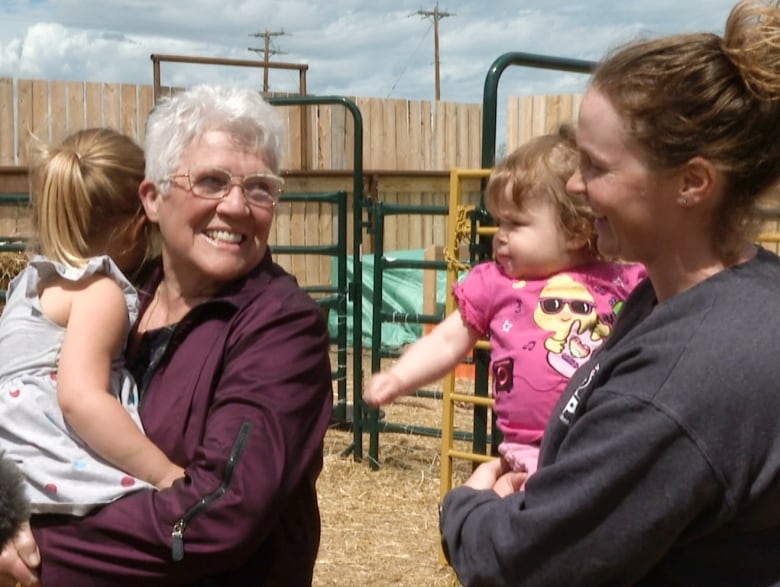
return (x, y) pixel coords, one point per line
(232, 182)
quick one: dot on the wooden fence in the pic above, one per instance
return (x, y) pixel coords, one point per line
(408, 149)
(400, 135)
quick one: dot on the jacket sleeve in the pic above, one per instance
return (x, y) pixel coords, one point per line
(259, 454)
(626, 483)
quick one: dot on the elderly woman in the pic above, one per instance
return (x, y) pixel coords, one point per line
(660, 464)
(232, 360)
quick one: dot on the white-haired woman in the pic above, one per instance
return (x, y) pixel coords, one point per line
(231, 357)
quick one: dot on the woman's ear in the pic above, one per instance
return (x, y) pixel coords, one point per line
(150, 199)
(698, 181)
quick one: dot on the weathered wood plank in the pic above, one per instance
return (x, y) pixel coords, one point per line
(7, 128)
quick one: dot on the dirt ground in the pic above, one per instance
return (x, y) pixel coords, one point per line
(380, 527)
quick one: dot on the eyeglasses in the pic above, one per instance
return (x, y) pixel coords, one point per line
(555, 305)
(214, 183)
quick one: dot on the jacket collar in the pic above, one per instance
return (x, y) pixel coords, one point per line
(236, 293)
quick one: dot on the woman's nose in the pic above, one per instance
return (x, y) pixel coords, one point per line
(234, 199)
(575, 185)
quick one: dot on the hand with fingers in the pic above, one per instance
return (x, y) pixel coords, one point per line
(19, 559)
(498, 476)
(382, 389)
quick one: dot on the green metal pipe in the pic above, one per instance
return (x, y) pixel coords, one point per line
(490, 93)
(357, 269)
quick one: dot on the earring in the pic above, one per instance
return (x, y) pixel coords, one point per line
(682, 201)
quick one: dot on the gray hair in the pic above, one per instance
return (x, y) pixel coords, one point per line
(176, 122)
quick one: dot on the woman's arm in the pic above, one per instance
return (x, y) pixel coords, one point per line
(428, 359)
(248, 407)
(95, 332)
(625, 484)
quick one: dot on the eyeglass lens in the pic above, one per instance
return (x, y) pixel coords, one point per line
(214, 183)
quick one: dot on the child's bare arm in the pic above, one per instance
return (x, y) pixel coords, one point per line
(95, 331)
(427, 360)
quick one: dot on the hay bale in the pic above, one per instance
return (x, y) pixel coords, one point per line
(11, 264)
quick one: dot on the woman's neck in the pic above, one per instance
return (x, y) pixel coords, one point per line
(671, 276)
(581, 257)
(168, 306)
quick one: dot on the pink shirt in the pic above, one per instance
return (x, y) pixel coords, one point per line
(541, 331)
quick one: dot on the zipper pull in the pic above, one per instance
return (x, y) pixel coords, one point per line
(177, 541)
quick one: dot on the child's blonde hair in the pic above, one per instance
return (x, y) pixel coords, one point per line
(540, 168)
(85, 195)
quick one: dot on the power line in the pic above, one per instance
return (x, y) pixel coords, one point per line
(408, 61)
(266, 51)
(437, 16)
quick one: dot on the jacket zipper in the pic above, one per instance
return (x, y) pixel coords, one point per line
(177, 534)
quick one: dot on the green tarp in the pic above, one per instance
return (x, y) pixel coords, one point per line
(402, 292)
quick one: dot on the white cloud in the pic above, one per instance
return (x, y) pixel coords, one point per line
(351, 47)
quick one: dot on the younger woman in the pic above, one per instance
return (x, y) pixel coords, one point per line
(660, 464)
(547, 302)
(68, 406)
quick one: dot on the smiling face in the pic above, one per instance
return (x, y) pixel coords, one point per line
(207, 243)
(634, 205)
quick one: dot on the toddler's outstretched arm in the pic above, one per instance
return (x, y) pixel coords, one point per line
(427, 360)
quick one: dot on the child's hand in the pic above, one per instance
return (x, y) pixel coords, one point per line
(382, 389)
(19, 558)
(496, 475)
(175, 472)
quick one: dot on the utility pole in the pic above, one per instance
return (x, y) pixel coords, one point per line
(437, 16)
(267, 52)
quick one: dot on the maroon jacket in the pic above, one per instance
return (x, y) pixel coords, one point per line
(242, 397)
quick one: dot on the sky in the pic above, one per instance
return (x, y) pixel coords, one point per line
(353, 48)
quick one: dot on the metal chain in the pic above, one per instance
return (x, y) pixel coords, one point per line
(462, 233)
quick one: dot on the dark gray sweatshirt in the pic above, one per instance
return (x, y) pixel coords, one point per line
(661, 462)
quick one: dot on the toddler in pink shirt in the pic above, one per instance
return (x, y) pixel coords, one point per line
(547, 301)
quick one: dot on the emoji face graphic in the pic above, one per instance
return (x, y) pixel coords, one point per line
(567, 310)
(562, 302)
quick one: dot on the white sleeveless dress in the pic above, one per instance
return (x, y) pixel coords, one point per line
(63, 474)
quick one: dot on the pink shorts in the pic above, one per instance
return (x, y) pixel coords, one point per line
(521, 457)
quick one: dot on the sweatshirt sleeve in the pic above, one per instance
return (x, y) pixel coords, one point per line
(253, 473)
(625, 484)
